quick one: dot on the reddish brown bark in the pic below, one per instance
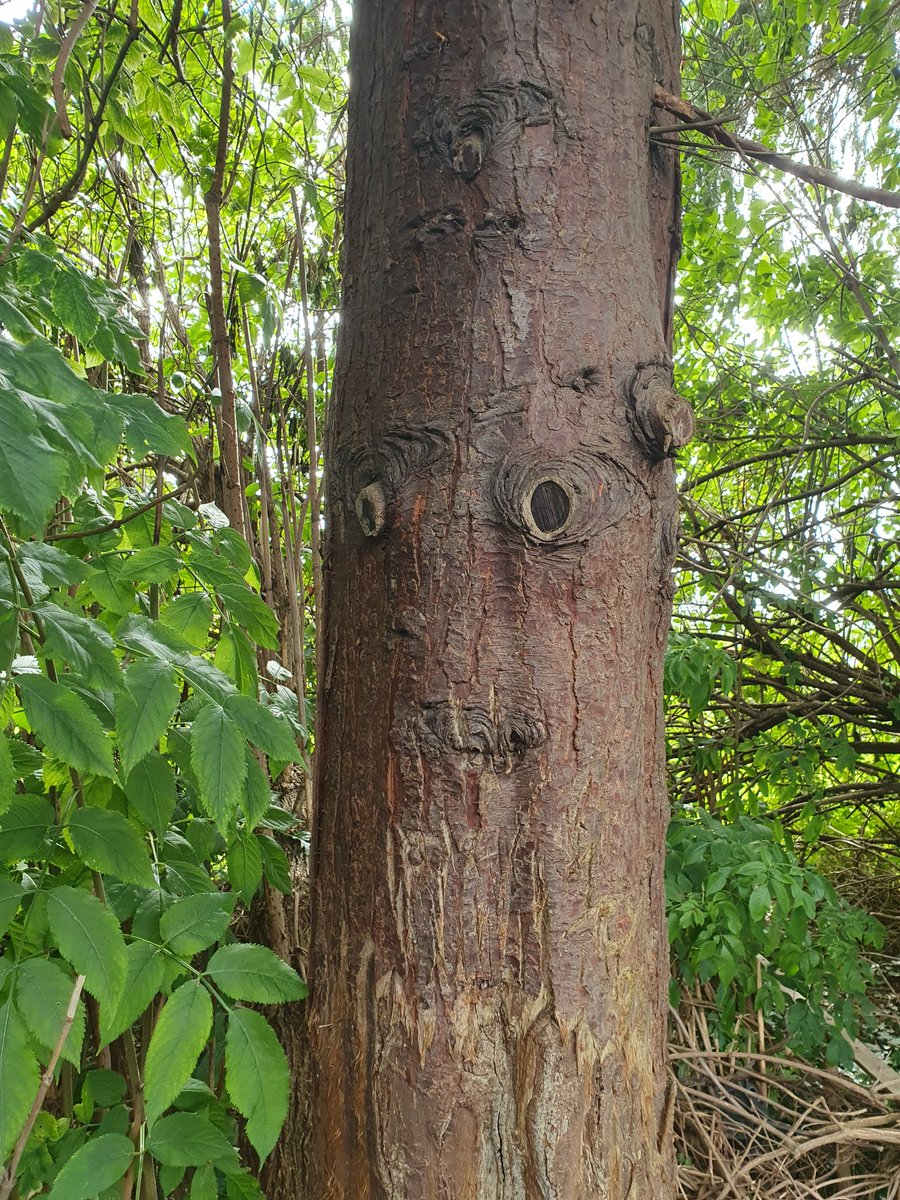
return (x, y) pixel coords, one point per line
(489, 953)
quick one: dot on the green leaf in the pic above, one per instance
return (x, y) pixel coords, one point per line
(190, 616)
(74, 306)
(251, 612)
(43, 993)
(11, 894)
(19, 1078)
(236, 656)
(156, 640)
(88, 936)
(144, 976)
(194, 923)
(66, 726)
(203, 1185)
(186, 1139)
(150, 430)
(153, 564)
(248, 972)
(276, 867)
(271, 733)
(26, 759)
(47, 566)
(32, 472)
(178, 1040)
(257, 1077)
(24, 827)
(244, 864)
(760, 899)
(144, 709)
(240, 1185)
(110, 844)
(7, 776)
(150, 790)
(98, 1164)
(105, 1087)
(257, 792)
(217, 756)
(80, 642)
(106, 582)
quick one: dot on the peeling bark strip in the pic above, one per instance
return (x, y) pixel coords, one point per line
(489, 953)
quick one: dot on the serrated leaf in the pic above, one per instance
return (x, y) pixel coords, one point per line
(107, 584)
(47, 566)
(270, 732)
(240, 1185)
(257, 792)
(251, 612)
(82, 643)
(144, 975)
(19, 1077)
(144, 709)
(178, 1040)
(26, 760)
(150, 791)
(244, 865)
(257, 1077)
(217, 756)
(32, 473)
(74, 305)
(185, 1139)
(150, 430)
(89, 937)
(276, 867)
(236, 657)
(98, 1164)
(24, 826)
(760, 899)
(110, 844)
(153, 564)
(248, 972)
(11, 894)
(105, 1087)
(203, 1185)
(189, 616)
(43, 993)
(150, 638)
(8, 776)
(66, 725)
(194, 923)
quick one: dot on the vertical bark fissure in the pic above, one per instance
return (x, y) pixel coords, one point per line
(489, 959)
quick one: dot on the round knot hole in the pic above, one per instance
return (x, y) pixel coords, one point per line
(550, 506)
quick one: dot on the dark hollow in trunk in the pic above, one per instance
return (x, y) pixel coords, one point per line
(489, 959)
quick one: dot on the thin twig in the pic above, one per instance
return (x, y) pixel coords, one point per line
(755, 151)
(62, 60)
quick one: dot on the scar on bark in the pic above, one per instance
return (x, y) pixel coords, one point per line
(472, 730)
(661, 421)
(464, 134)
(558, 501)
(371, 475)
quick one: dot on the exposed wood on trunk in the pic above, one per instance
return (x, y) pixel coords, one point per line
(489, 957)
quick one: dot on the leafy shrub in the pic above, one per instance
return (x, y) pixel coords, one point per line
(747, 918)
(135, 804)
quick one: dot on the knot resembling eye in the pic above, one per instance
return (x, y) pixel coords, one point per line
(371, 507)
(558, 501)
(550, 507)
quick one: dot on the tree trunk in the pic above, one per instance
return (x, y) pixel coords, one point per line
(489, 957)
